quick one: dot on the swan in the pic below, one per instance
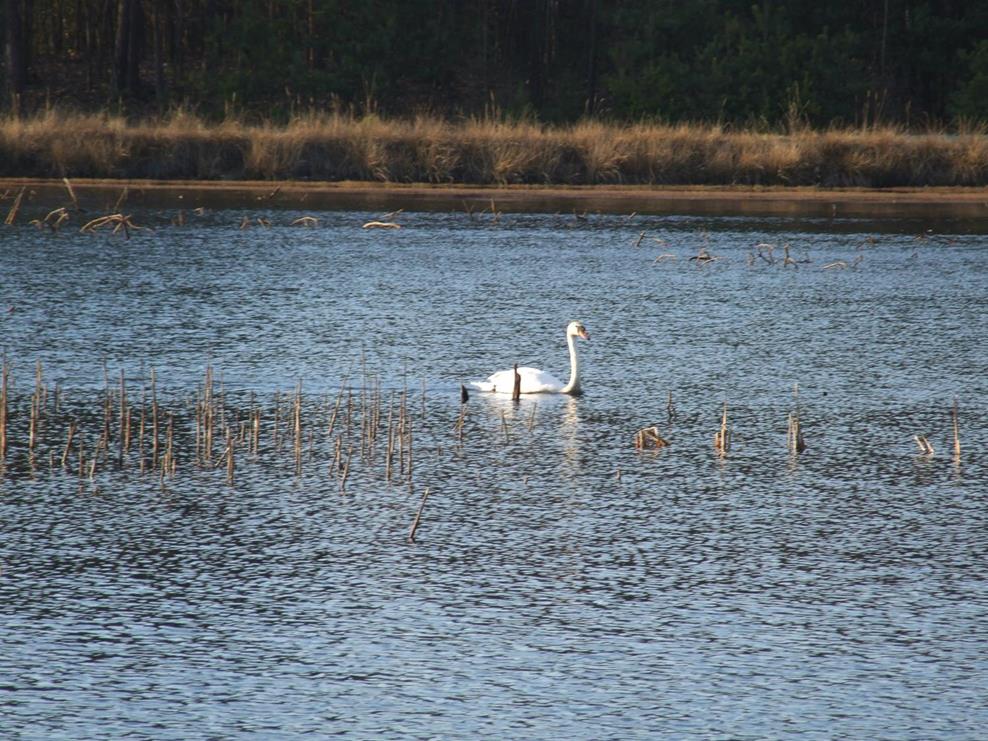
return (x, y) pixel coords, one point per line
(535, 381)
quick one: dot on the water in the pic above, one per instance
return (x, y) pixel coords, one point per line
(561, 583)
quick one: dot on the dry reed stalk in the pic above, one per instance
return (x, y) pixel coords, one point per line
(794, 437)
(197, 442)
(4, 381)
(459, 426)
(35, 420)
(208, 414)
(349, 413)
(670, 408)
(410, 457)
(122, 438)
(82, 457)
(389, 454)
(504, 427)
(12, 214)
(722, 439)
(336, 410)
(230, 465)
(154, 422)
(402, 422)
(531, 418)
(104, 440)
(168, 463)
(418, 516)
(297, 428)
(141, 427)
(346, 470)
(276, 440)
(257, 431)
(68, 443)
(337, 454)
(121, 199)
(957, 435)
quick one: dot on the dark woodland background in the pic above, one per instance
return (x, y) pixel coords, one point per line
(914, 63)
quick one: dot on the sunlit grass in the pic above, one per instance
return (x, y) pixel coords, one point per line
(333, 146)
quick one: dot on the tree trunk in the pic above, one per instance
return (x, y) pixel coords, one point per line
(127, 46)
(120, 50)
(158, 32)
(14, 56)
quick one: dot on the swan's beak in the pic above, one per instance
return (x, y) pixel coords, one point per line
(584, 333)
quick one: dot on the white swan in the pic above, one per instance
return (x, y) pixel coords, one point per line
(535, 381)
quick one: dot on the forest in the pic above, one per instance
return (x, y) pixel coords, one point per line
(745, 63)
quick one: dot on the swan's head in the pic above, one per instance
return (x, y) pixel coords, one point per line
(576, 329)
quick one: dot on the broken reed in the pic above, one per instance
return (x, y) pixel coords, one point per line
(722, 438)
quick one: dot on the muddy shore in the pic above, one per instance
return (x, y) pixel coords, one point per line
(103, 195)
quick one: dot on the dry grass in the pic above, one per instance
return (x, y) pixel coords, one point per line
(338, 146)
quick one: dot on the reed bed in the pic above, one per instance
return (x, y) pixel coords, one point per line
(423, 149)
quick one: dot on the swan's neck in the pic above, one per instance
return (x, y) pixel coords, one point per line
(573, 387)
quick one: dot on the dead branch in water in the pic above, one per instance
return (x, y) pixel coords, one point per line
(648, 438)
(924, 445)
(71, 190)
(119, 221)
(12, 214)
(381, 225)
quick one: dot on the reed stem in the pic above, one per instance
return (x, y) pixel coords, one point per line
(418, 516)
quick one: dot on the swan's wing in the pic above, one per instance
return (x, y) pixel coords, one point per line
(533, 381)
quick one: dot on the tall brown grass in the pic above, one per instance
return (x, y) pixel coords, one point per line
(339, 146)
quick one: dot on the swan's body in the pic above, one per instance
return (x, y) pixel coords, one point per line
(536, 381)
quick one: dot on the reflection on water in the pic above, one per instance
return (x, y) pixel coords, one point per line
(840, 593)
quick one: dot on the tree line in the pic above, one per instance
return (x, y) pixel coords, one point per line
(744, 62)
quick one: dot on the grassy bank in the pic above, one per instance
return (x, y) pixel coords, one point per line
(331, 147)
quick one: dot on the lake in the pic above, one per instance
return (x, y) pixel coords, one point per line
(560, 582)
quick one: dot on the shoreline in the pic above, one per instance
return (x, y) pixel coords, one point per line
(103, 194)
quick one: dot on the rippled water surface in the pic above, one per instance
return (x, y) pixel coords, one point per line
(560, 583)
